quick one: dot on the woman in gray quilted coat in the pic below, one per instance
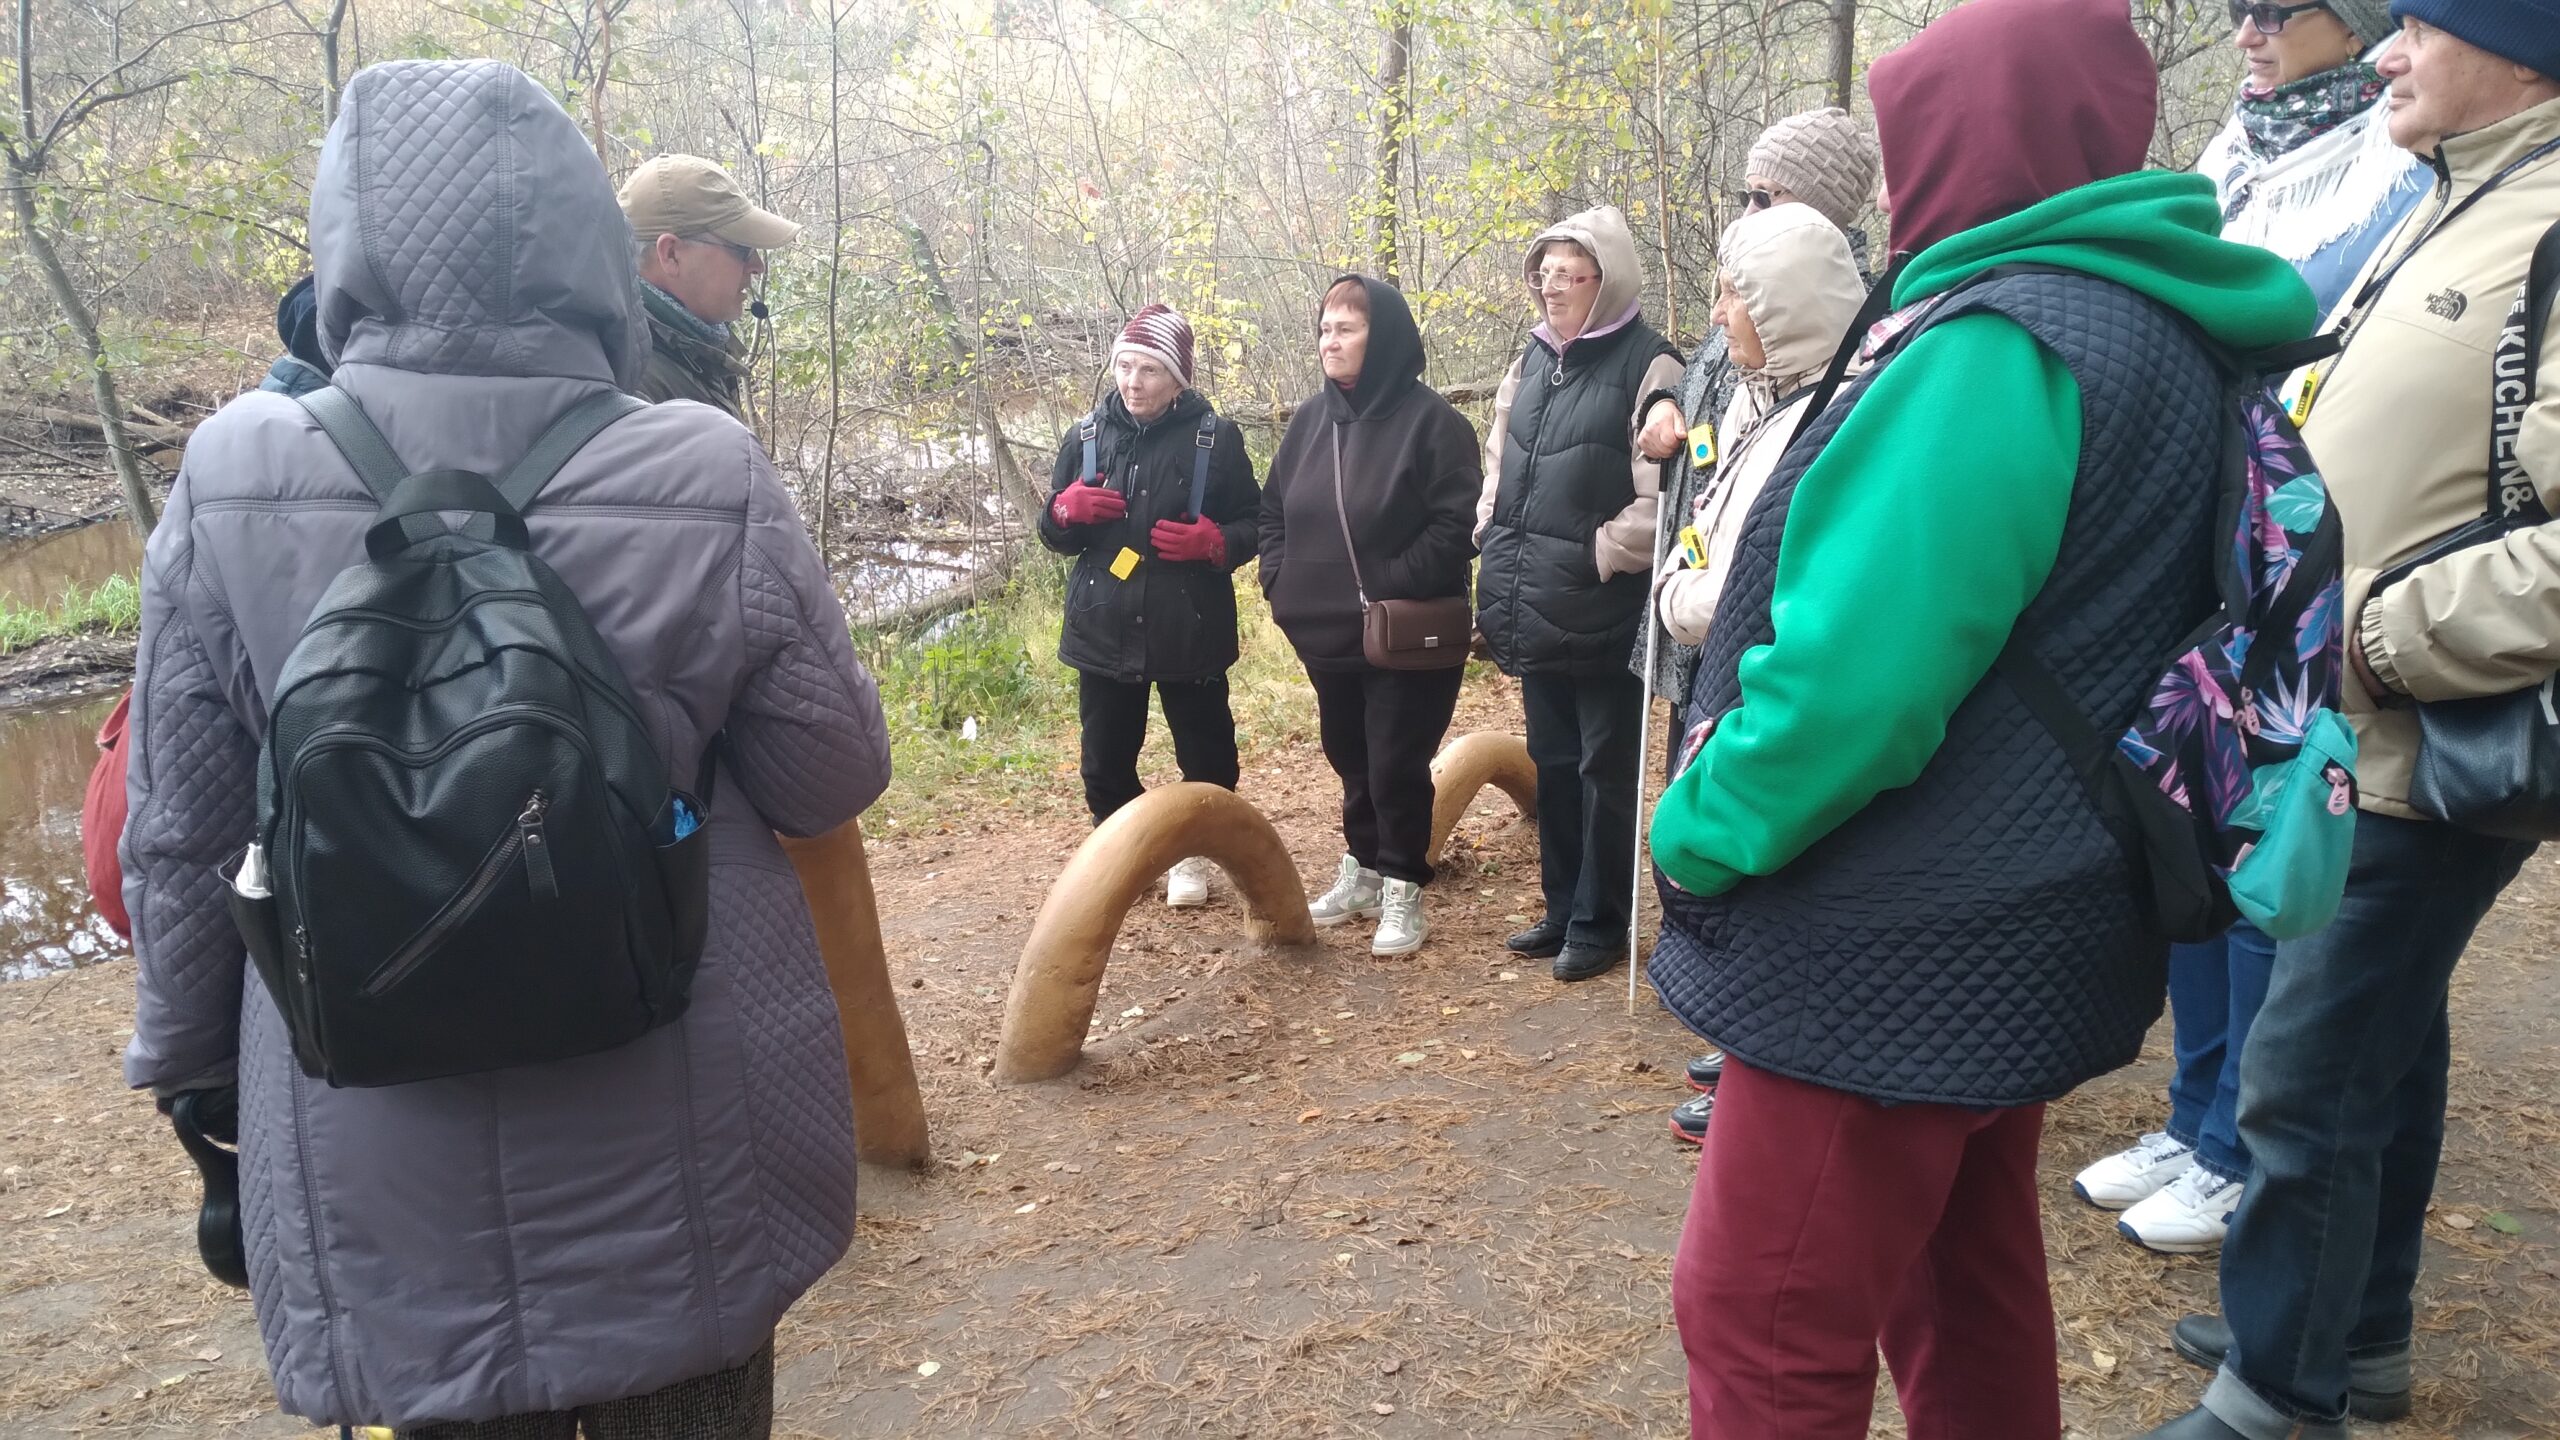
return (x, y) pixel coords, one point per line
(609, 1240)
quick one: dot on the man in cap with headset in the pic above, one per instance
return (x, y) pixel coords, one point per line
(702, 243)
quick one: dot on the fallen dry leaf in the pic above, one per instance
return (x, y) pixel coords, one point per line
(1411, 1057)
(2459, 1221)
(1383, 1408)
(1309, 1117)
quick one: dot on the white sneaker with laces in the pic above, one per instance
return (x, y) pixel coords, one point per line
(1401, 927)
(2130, 1177)
(1188, 883)
(1354, 896)
(2188, 1217)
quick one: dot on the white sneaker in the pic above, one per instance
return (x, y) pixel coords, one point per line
(2132, 1176)
(1188, 883)
(2189, 1217)
(1401, 927)
(1354, 896)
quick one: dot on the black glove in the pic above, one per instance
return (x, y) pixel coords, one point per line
(202, 1118)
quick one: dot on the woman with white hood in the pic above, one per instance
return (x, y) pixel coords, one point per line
(1787, 291)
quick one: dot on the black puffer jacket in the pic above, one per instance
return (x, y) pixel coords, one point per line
(1411, 469)
(1167, 621)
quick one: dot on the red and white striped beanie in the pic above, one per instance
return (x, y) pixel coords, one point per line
(1162, 335)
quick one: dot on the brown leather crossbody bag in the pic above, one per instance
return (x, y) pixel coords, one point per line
(1403, 634)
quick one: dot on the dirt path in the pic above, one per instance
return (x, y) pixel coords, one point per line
(1297, 1195)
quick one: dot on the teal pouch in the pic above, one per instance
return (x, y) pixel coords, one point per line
(2304, 809)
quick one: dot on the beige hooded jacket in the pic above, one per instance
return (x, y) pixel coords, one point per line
(1793, 271)
(1624, 544)
(2400, 427)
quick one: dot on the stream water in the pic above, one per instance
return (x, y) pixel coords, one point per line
(35, 572)
(46, 924)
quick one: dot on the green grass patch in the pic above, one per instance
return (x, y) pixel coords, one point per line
(998, 664)
(113, 608)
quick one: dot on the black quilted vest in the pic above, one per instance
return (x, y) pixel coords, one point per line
(1540, 602)
(1972, 938)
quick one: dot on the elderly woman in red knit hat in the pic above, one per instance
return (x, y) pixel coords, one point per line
(1155, 498)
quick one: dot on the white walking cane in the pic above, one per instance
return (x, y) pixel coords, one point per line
(1644, 732)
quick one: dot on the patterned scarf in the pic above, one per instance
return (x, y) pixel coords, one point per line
(2279, 121)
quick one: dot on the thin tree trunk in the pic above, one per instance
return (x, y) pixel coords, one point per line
(835, 273)
(1844, 52)
(329, 67)
(604, 70)
(84, 328)
(1391, 133)
(1662, 180)
(1009, 474)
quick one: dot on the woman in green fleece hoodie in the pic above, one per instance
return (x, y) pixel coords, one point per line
(1886, 895)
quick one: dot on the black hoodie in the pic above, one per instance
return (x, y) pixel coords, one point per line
(1411, 470)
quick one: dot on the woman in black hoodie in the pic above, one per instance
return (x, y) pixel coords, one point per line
(1408, 471)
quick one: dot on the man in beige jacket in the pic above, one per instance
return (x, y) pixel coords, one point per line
(2342, 1086)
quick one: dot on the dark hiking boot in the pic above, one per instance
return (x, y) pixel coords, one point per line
(1539, 941)
(2377, 1385)
(1706, 1070)
(1583, 962)
(1689, 1119)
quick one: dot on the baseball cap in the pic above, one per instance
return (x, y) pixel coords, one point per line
(688, 195)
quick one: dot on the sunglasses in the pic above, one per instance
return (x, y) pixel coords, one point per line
(1755, 201)
(2269, 18)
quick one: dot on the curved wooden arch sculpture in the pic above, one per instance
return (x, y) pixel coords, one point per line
(1051, 1004)
(888, 1108)
(1470, 763)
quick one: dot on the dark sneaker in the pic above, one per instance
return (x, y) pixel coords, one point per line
(1582, 962)
(1538, 942)
(1689, 1119)
(2377, 1387)
(1706, 1070)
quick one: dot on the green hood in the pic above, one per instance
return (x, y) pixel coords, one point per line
(2154, 231)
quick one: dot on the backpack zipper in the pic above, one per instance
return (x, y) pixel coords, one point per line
(525, 839)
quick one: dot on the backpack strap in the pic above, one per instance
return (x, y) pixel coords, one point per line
(1201, 446)
(567, 436)
(1090, 431)
(358, 439)
(1878, 303)
(2516, 366)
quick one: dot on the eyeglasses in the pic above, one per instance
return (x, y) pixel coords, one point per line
(1555, 280)
(1755, 201)
(746, 255)
(2269, 18)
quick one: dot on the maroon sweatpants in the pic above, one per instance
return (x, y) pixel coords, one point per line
(1824, 1224)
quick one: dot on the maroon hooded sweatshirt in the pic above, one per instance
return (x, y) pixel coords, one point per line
(2003, 104)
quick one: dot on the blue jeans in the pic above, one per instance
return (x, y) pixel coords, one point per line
(2215, 990)
(2342, 1096)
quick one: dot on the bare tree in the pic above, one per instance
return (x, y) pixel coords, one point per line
(29, 144)
(1391, 135)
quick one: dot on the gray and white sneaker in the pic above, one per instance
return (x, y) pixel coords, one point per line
(1355, 895)
(2128, 1177)
(1188, 883)
(2187, 1217)
(1401, 928)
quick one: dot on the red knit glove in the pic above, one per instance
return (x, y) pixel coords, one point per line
(1088, 505)
(1189, 540)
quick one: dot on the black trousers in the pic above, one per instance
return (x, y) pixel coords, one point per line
(1380, 729)
(1583, 739)
(1114, 717)
(724, 1405)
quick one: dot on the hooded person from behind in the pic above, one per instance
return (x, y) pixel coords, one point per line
(531, 1241)
(302, 368)
(1886, 893)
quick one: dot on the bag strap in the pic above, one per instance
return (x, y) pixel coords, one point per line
(567, 436)
(1090, 431)
(2513, 373)
(1201, 445)
(1875, 307)
(1359, 586)
(358, 439)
